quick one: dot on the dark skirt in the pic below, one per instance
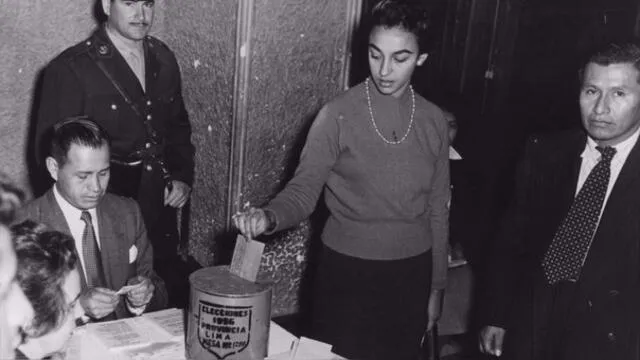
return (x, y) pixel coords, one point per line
(371, 309)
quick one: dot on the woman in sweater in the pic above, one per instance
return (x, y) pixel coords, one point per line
(380, 153)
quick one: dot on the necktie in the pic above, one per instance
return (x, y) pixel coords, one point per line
(568, 250)
(91, 254)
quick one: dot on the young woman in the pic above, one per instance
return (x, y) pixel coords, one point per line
(380, 153)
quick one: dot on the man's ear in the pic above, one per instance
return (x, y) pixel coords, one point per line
(421, 59)
(52, 167)
(106, 7)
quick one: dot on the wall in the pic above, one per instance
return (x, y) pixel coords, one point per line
(255, 72)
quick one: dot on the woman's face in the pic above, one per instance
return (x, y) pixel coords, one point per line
(15, 310)
(393, 56)
(56, 340)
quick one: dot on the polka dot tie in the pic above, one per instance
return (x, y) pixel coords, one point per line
(568, 250)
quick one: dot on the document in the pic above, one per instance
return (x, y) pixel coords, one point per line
(170, 320)
(246, 259)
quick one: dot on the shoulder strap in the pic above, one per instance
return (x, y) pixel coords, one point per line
(115, 84)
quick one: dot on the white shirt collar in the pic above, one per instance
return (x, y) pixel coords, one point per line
(71, 213)
(124, 47)
(622, 149)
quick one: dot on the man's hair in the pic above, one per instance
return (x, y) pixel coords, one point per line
(78, 130)
(11, 197)
(615, 53)
(410, 15)
(45, 258)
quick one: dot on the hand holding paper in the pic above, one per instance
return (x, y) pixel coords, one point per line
(99, 302)
(252, 222)
(141, 292)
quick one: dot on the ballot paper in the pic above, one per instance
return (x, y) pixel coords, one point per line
(126, 289)
(247, 255)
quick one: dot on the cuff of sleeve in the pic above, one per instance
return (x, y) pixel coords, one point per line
(273, 221)
(136, 310)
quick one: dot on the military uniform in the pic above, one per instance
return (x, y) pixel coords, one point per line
(150, 130)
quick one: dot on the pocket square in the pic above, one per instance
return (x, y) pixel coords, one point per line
(133, 254)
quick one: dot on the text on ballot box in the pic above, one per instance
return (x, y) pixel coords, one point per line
(228, 317)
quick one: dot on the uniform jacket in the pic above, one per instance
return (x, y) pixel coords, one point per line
(121, 228)
(609, 284)
(73, 84)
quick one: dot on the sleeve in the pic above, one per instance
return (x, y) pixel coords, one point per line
(179, 151)
(439, 215)
(145, 263)
(61, 96)
(298, 199)
(508, 249)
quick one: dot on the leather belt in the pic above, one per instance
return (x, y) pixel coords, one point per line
(127, 163)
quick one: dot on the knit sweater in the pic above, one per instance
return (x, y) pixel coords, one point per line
(386, 201)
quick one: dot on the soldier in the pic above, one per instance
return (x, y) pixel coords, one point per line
(130, 84)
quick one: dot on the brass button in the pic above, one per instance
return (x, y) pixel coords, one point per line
(147, 145)
(149, 168)
(148, 102)
(611, 336)
(149, 117)
(114, 107)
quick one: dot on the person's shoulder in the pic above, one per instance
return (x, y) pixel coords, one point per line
(119, 204)
(345, 101)
(79, 50)
(33, 209)
(160, 48)
(424, 105)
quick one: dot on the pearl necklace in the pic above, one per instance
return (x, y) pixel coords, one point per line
(373, 121)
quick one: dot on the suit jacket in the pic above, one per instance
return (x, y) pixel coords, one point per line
(121, 227)
(604, 322)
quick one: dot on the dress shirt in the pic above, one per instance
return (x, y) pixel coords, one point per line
(76, 224)
(133, 54)
(590, 157)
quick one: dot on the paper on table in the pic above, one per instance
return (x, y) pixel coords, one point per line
(170, 320)
(280, 340)
(247, 255)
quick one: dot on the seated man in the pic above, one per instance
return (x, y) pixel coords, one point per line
(15, 309)
(49, 277)
(108, 230)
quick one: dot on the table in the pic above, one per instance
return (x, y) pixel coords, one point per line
(161, 336)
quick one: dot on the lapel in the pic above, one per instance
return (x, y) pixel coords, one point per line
(54, 217)
(113, 250)
(564, 169)
(116, 65)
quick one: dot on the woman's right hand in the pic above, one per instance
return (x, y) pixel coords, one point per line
(252, 222)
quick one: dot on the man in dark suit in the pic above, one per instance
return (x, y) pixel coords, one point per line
(129, 83)
(566, 269)
(108, 230)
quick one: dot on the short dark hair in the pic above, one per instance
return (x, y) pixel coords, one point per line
(615, 53)
(79, 130)
(410, 15)
(45, 258)
(11, 197)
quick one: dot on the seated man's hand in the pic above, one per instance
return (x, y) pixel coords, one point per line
(490, 340)
(142, 293)
(99, 302)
